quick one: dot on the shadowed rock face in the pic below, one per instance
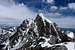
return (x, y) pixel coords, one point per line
(40, 25)
(43, 27)
(58, 47)
(1, 46)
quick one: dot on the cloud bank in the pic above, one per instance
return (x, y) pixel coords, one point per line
(11, 13)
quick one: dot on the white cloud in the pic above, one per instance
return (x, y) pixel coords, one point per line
(59, 18)
(52, 14)
(15, 12)
(50, 1)
(63, 8)
(71, 5)
(53, 8)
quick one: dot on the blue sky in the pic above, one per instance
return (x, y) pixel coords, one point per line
(60, 11)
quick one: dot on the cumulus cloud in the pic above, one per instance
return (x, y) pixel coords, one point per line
(63, 21)
(50, 1)
(9, 10)
(63, 16)
(71, 5)
(53, 8)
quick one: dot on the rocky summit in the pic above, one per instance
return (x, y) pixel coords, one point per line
(37, 34)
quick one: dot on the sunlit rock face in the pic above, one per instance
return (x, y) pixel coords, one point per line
(37, 34)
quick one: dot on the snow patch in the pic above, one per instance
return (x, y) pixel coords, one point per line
(71, 35)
